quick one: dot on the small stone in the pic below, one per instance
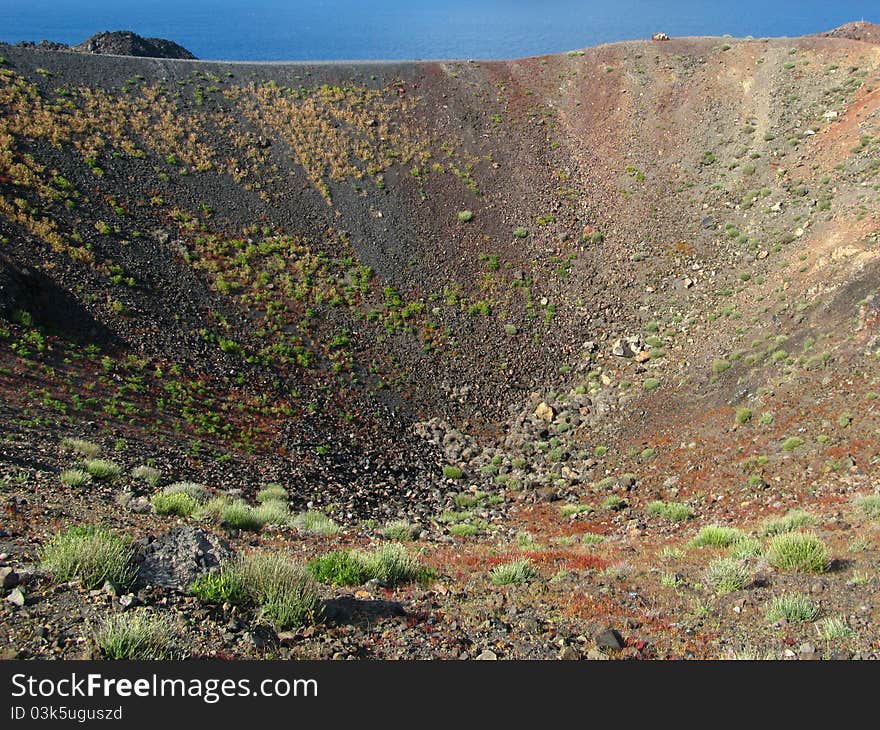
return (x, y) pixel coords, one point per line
(610, 639)
(129, 600)
(109, 588)
(16, 598)
(8, 577)
(596, 655)
(487, 656)
(544, 412)
(569, 654)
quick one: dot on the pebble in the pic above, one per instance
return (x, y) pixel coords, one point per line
(16, 598)
(8, 577)
(487, 655)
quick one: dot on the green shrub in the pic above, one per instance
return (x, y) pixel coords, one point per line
(177, 503)
(793, 520)
(272, 493)
(81, 447)
(102, 469)
(869, 506)
(75, 477)
(463, 529)
(391, 564)
(139, 635)
(727, 575)
(673, 511)
(91, 554)
(315, 522)
(452, 472)
(743, 415)
(239, 515)
(340, 567)
(800, 552)
(792, 608)
(220, 587)
(147, 474)
(518, 571)
(717, 536)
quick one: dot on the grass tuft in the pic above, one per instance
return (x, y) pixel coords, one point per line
(273, 512)
(272, 493)
(800, 552)
(717, 536)
(80, 446)
(673, 511)
(91, 554)
(315, 522)
(147, 474)
(727, 575)
(139, 635)
(519, 571)
(833, 628)
(792, 608)
(176, 503)
(75, 477)
(869, 506)
(102, 469)
(239, 515)
(792, 521)
(391, 564)
(401, 530)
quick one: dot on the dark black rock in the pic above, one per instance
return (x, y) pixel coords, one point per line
(126, 43)
(177, 558)
(610, 639)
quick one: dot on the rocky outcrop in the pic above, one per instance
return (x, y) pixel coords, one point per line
(126, 43)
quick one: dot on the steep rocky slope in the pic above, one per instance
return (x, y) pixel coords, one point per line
(518, 304)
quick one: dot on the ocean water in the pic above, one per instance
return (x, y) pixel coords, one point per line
(274, 30)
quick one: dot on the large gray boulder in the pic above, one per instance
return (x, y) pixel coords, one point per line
(177, 558)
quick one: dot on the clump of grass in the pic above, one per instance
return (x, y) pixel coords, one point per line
(315, 522)
(574, 509)
(139, 635)
(391, 564)
(239, 515)
(75, 477)
(91, 554)
(340, 567)
(401, 530)
(224, 586)
(833, 628)
(102, 469)
(273, 512)
(868, 505)
(272, 493)
(792, 608)
(212, 509)
(651, 384)
(452, 472)
(673, 511)
(147, 474)
(285, 591)
(177, 503)
(800, 552)
(591, 538)
(727, 575)
(463, 529)
(80, 446)
(793, 520)
(514, 573)
(197, 492)
(465, 215)
(790, 444)
(743, 415)
(746, 548)
(520, 232)
(717, 536)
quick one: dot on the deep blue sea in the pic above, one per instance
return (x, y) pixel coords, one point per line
(260, 30)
